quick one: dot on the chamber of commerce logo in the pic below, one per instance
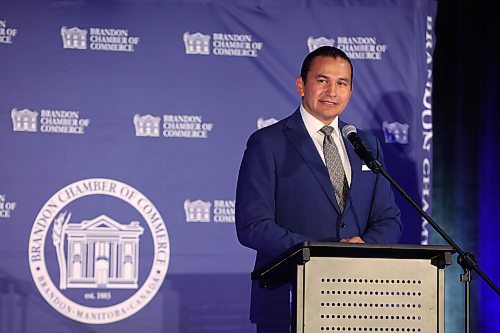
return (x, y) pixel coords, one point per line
(172, 126)
(197, 43)
(222, 44)
(6, 207)
(24, 120)
(200, 211)
(147, 125)
(97, 278)
(365, 48)
(315, 43)
(197, 211)
(74, 38)
(51, 121)
(261, 122)
(395, 132)
(6, 34)
(98, 39)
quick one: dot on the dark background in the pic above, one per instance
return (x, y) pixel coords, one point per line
(466, 184)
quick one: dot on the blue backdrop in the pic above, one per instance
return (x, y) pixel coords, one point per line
(122, 126)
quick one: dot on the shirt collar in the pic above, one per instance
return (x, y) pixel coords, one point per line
(313, 125)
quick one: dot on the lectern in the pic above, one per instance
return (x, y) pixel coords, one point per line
(338, 287)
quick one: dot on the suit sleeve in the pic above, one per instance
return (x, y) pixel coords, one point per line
(255, 202)
(384, 225)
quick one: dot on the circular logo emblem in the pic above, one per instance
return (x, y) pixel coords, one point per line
(98, 251)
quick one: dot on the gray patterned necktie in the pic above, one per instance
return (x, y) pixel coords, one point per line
(334, 166)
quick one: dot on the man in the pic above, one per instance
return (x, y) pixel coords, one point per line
(300, 181)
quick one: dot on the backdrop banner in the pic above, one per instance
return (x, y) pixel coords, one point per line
(122, 127)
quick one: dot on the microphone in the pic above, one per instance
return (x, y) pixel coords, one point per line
(350, 133)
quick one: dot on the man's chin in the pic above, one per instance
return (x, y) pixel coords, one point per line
(331, 114)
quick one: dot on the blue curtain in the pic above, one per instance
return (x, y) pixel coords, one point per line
(466, 184)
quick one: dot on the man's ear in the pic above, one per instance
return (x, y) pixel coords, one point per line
(300, 86)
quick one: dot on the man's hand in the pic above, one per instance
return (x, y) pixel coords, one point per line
(354, 240)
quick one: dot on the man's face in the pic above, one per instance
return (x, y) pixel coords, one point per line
(327, 89)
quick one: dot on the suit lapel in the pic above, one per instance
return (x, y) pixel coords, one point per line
(296, 132)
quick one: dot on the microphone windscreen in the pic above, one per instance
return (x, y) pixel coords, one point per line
(348, 129)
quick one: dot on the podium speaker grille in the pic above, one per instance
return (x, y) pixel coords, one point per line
(372, 295)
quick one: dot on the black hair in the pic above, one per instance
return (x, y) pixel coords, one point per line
(323, 51)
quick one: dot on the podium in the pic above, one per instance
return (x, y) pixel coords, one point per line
(340, 287)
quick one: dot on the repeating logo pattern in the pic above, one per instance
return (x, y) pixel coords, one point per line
(96, 265)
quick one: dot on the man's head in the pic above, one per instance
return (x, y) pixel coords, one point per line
(325, 83)
(323, 51)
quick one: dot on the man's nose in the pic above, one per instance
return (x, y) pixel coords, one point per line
(331, 89)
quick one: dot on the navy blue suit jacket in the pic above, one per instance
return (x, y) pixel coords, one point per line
(284, 196)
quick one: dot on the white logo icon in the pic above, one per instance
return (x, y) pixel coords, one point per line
(395, 132)
(147, 125)
(24, 120)
(261, 122)
(197, 211)
(197, 43)
(74, 38)
(314, 43)
(102, 253)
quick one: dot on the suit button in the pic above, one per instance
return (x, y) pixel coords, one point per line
(342, 225)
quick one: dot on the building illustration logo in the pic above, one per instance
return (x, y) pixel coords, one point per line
(74, 38)
(147, 125)
(395, 132)
(261, 122)
(315, 43)
(101, 253)
(24, 120)
(218, 211)
(197, 43)
(197, 211)
(222, 44)
(98, 258)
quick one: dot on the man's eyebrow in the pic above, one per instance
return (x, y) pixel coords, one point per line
(322, 76)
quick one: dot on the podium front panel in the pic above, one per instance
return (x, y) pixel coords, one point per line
(369, 295)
